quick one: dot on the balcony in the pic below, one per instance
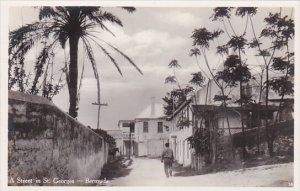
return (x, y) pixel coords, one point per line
(127, 137)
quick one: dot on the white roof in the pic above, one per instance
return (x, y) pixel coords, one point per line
(147, 113)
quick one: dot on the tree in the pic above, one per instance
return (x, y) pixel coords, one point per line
(178, 95)
(173, 78)
(280, 31)
(175, 98)
(63, 26)
(202, 39)
(235, 74)
(197, 79)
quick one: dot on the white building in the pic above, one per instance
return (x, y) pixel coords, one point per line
(202, 110)
(128, 137)
(181, 130)
(152, 130)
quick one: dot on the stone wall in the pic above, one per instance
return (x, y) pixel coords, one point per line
(45, 142)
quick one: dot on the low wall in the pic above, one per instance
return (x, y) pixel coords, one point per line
(44, 142)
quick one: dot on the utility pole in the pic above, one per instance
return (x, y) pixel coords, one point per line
(99, 107)
(131, 130)
(129, 142)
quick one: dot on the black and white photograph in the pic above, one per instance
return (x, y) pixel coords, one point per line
(149, 94)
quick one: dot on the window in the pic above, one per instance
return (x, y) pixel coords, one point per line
(160, 127)
(125, 124)
(246, 89)
(145, 127)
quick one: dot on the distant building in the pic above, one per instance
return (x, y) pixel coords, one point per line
(128, 137)
(152, 130)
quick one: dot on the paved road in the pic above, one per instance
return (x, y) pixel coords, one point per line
(149, 172)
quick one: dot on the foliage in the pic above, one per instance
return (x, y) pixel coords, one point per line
(234, 71)
(56, 27)
(201, 37)
(184, 122)
(197, 79)
(175, 98)
(195, 52)
(106, 137)
(170, 80)
(282, 86)
(174, 64)
(200, 141)
(278, 30)
(221, 12)
(243, 11)
(237, 43)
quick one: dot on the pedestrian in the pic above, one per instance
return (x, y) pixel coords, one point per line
(167, 158)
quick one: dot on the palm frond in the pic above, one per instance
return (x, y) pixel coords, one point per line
(85, 10)
(80, 83)
(91, 57)
(43, 57)
(62, 38)
(125, 56)
(24, 38)
(88, 49)
(109, 56)
(100, 23)
(129, 9)
(47, 12)
(107, 16)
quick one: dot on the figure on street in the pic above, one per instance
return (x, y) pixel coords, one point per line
(167, 158)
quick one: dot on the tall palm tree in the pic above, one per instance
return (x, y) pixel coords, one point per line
(62, 25)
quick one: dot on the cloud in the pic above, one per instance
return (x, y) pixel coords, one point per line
(153, 43)
(149, 49)
(149, 42)
(179, 18)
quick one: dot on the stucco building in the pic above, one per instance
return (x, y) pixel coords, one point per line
(203, 111)
(152, 130)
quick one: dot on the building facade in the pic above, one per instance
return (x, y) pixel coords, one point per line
(152, 131)
(203, 111)
(127, 128)
(181, 129)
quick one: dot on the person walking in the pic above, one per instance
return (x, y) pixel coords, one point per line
(167, 158)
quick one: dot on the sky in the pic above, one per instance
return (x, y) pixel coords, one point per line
(151, 37)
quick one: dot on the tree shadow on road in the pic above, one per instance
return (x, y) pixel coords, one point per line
(117, 168)
(179, 170)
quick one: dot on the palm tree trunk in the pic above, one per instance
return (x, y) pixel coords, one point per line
(73, 75)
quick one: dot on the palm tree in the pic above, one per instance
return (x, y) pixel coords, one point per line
(62, 25)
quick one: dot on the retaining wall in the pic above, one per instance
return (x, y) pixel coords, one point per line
(45, 142)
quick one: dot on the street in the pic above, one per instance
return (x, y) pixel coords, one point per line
(149, 172)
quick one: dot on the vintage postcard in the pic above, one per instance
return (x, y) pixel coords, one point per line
(139, 94)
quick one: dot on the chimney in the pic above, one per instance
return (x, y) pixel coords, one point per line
(152, 106)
